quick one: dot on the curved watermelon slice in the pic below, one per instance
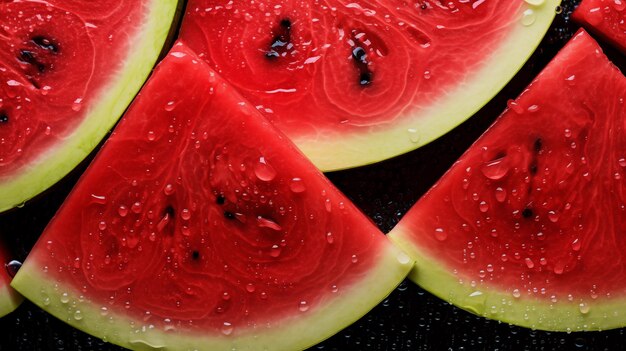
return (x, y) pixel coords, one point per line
(606, 18)
(68, 70)
(9, 298)
(527, 227)
(355, 82)
(198, 226)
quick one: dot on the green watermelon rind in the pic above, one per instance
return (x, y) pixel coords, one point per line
(330, 152)
(51, 166)
(9, 300)
(536, 313)
(300, 332)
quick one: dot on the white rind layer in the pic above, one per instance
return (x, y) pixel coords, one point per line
(301, 331)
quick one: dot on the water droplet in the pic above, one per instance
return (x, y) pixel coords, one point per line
(104, 311)
(583, 308)
(99, 199)
(516, 293)
(495, 169)
(403, 258)
(13, 267)
(553, 216)
(136, 207)
(576, 244)
(413, 135)
(185, 214)
(619, 5)
(77, 104)
(275, 251)
(169, 106)
(122, 211)
(329, 238)
(354, 259)
(297, 185)
(65, 298)
(528, 17)
(264, 171)
(78, 315)
(250, 288)
(500, 194)
(440, 234)
(483, 206)
(529, 262)
(168, 190)
(227, 328)
(303, 306)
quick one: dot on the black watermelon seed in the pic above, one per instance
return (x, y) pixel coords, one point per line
(169, 210)
(365, 78)
(220, 200)
(285, 23)
(4, 118)
(229, 215)
(30, 58)
(195, 255)
(359, 54)
(538, 145)
(527, 212)
(45, 43)
(533, 168)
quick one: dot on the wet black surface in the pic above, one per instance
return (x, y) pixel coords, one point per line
(410, 319)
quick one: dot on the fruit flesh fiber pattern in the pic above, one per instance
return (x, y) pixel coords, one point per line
(527, 227)
(213, 231)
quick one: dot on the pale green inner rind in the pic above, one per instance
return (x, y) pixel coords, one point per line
(305, 329)
(335, 152)
(54, 164)
(9, 300)
(538, 312)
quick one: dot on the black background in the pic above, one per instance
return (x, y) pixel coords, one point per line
(410, 319)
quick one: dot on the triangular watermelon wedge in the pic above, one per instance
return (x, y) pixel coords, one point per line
(528, 225)
(199, 226)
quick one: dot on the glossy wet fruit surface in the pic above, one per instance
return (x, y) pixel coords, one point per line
(365, 81)
(385, 192)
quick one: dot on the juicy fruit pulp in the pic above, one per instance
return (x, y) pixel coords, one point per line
(199, 226)
(604, 17)
(9, 298)
(527, 226)
(355, 82)
(68, 69)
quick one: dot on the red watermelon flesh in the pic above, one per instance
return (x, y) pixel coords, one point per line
(68, 69)
(354, 82)
(9, 298)
(199, 226)
(604, 17)
(527, 227)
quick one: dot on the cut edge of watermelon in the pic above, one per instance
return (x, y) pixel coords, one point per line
(293, 334)
(337, 152)
(9, 300)
(501, 305)
(41, 174)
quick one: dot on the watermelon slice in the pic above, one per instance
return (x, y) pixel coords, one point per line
(199, 226)
(527, 227)
(9, 298)
(606, 18)
(68, 70)
(355, 82)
